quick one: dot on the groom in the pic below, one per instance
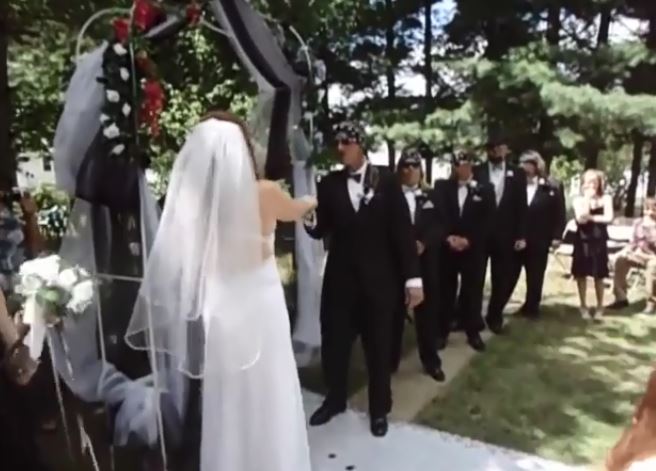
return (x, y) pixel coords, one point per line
(363, 213)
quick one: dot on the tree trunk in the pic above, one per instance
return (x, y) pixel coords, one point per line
(546, 132)
(6, 154)
(428, 73)
(428, 55)
(636, 167)
(554, 25)
(606, 16)
(390, 73)
(592, 156)
(651, 183)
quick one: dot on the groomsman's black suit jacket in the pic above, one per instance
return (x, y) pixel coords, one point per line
(428, 217)
(510, 215)
(478, 214)
(546, 216)
(474, 224)
(367, 246)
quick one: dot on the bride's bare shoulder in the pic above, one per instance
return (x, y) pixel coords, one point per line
(268, 187)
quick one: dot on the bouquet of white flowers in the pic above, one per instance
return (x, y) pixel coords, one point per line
(57, 289)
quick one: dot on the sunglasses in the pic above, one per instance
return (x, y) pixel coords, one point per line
(410, 165)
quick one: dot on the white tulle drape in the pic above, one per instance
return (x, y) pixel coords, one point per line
(208, 243)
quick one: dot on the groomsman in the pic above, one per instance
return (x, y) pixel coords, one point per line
(508, 233)
(468, 209)
(545, 223)
(428, 232)
(363, 214)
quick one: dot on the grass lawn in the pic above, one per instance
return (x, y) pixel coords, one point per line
(562, 388)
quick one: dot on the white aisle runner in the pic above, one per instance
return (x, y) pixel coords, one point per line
(346, 444)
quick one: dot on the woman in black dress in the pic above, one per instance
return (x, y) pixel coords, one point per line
(593, 212)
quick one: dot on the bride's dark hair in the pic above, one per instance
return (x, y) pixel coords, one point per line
(233, 118)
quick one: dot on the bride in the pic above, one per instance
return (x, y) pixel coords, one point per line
(212, 300)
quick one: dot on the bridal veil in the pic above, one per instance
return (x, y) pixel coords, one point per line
(207, 246)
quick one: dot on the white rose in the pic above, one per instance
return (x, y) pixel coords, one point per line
(542, 181)
(81, 297)
(112, 131)
(46, 268)
(119, 49)
(125, 74)
(113, 96)
(29, 285)
(67, 279)
(118, 149)
(126, 110)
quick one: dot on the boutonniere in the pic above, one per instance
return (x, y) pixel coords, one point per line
(367, 196)
(510, 174)
(472, 185)
(542, 182)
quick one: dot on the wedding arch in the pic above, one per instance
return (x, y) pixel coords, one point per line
(99, 161)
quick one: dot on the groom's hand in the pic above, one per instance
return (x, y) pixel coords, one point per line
(414, 297)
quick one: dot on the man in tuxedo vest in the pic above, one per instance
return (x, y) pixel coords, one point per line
(508, 233)
(428, 227)
(362, 213)
(468, 210)
(545, 223)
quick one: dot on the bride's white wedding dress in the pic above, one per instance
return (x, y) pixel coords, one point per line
(253, 419)
(213, 306)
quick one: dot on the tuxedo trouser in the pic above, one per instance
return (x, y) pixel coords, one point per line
(501, 255)
(346, 314)
(464, 304)
(534, 261)
(426, 319)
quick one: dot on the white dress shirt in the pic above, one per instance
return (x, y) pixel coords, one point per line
(531, 189)
(498, 179)
(355, 188)
(463, 191)
(411, 198)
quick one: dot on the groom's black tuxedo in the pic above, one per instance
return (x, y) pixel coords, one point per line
(360, 288)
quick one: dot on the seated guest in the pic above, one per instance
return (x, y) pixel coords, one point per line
(19, 240)
(427, 226)
(468, 208)
(640, 253)
(545, 223)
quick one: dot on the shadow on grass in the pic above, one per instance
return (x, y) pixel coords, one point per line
(562, 387)
(312, 377)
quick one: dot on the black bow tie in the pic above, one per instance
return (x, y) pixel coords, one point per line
(356, 176)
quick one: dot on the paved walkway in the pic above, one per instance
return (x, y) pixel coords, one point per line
(412, 390)
(345, 443)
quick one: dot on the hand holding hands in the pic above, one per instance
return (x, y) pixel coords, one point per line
(458, 243)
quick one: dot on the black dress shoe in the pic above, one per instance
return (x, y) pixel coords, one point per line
(436, 373)
(379, 426)
(441, 343)
(476, 342)
(325, 413)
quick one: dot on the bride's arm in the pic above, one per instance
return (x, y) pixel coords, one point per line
(284, 207)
